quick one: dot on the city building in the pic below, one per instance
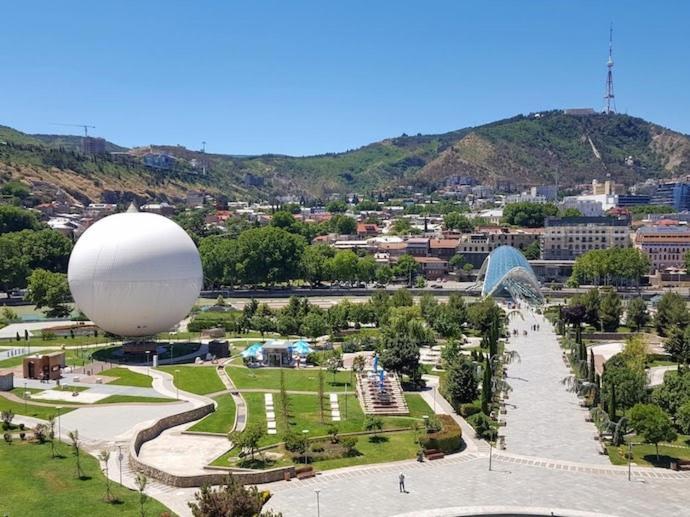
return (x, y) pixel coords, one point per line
(475, 247)
(159, 208)
(587, 207)
(566, 238)
(432, 268)
(506, 273)
(92, 145)
(418, 246)
(664, 243)
(195, 198)
(367, 229)
(625, 200)
(45, 367)
(675, 194)
(608, 188)
(443, 248)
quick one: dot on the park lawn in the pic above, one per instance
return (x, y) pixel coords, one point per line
(295, 379)
(35, 484)
(42, 412)
(127, 377)
(417, 405)
(195, 379)
(20, 391)
(644, 455)
(221, 420)
(395, 446)
(12, 361)
(120, 399)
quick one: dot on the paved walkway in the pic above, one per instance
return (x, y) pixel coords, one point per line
(655, 375)
(544, 419)
(240, 404)
(465, 481)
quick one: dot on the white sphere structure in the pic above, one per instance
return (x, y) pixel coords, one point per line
(135, 274)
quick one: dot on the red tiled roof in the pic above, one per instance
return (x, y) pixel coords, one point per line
(444, 243)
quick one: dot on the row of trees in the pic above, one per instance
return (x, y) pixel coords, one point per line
(613, 266)
(271, 255)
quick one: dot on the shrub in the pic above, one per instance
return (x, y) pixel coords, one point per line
(296, 442)
(448, 439)
(7, 437)
(483, 426)
(433, 424)
(22, 436)
(349, 444)
(467, 410)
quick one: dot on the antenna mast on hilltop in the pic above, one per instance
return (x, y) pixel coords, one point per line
(610, 97)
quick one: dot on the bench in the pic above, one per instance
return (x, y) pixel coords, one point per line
(680, 465)
(306, 474)
(434, 454)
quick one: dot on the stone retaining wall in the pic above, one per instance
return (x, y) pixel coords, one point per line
(212, 478)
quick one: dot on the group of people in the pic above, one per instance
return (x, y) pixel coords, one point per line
(536, 327)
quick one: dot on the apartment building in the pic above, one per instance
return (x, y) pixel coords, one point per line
(665, 244)
(566, 238)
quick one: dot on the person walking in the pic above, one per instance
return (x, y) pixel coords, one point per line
(401, 479)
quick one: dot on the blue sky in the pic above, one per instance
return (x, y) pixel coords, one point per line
(301, 77)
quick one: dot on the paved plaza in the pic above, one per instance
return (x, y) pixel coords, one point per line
(465, 481)
(544, 419)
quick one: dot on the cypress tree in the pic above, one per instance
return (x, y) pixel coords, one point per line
(597, 392)
(486, 387)
(592, 371)
(612, 403)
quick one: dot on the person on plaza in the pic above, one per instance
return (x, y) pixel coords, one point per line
(401, 483)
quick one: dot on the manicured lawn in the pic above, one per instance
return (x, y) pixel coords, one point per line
(645, 454)
(295, 379)
(221, 420)
(12, 361)
(195, 379)
(35, 484)
(417, 405)
(127, 377)
(388, 447)
(115, 399)
(42, 412)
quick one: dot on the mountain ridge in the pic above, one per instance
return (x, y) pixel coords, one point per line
(521, 150)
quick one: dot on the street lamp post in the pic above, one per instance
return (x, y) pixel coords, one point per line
(630, 460)
(26, 396)
(433, 393)
(318, 503)
(119, 459)
(59, 408)
(148, 355)
(305, 432)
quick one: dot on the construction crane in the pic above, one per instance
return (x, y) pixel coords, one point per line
(85, 126)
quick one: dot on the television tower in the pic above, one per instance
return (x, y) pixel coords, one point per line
(610, 98)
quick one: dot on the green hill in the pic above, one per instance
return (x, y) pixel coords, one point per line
(525, 150)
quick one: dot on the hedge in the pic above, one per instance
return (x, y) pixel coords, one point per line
(448, 439)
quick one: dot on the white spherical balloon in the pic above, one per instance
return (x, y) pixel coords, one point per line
(135, 274)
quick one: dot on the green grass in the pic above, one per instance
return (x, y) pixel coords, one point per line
(295, 379)
(127, 377)
(417, 405)
(645, 455)
(35, 484)
(42, 412)
(119, 399)
(221, 420)
(195, 379)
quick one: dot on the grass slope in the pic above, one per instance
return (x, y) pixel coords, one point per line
(195, 379)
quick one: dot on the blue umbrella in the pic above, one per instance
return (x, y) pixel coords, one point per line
(253, 350)
(301, 347)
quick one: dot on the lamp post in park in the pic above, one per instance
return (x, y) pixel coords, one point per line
(120, 457)
(59, 408)
(318, 503)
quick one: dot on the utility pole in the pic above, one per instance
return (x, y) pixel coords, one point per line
(610, 97)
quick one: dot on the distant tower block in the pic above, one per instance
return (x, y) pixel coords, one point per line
(610, 98)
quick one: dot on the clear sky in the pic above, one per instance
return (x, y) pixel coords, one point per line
(305, 77)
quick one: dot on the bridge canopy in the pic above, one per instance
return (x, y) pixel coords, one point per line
(507, 274)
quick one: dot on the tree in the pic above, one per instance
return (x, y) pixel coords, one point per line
(610, 311)
(683, 417)
(592, 302)
(678, 344)
(247, 440)
(219, 259)
(314, 325)
(230, 499)
(104, 456)
(482, 315)
(283, 219)
(401, 298)
(269, 255)
(366, 269)
(671, 312)
(343, 266)
(76, 447)
(15, 219)
(141, 481)
(332, 365)
(48, 289)
(314, 263)
(626, 381)
(6, 416)
(532, 251)
(384, 274)
(528, 214)
(612, 266)
(373, 424)
(400, 354)
(460, 384)
(337, 206)
(407, 268)
(673, 392)
(457, 261)
(45, 249)
(457, 221)
(650, 421)
(486, 387)
(14, 267)
(342, 224)
(636, 314)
